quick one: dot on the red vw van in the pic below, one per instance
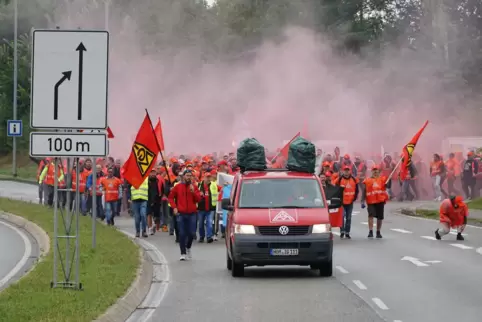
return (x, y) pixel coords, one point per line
(278, 217)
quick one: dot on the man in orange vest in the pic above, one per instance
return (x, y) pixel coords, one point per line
(112, 188)
(375, 195)
(48, 178)
(350, 193)
(453, 213)
(41, 187)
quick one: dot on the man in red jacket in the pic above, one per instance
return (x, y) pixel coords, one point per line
(183, 199)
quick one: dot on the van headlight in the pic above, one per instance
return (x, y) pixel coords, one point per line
(244, 229)
(321, 229)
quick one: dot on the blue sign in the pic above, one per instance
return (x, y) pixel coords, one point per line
(14, 128)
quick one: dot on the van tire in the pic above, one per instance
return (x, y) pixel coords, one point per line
(229, 261)
(237, 269)
(326, 268)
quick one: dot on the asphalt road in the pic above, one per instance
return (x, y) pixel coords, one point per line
(406, 276)
(12, 252)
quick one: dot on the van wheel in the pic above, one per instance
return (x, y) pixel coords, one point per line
(326, 268)
(229, 261)
(237, 269)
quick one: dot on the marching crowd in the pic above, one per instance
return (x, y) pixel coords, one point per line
(180, 195)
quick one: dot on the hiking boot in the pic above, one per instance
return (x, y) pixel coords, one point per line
(437, 235)
(460, 237)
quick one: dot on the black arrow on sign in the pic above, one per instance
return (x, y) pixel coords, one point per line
(66, 76)
(80, 48)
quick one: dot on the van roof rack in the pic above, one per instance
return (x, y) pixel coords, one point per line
(265, 170)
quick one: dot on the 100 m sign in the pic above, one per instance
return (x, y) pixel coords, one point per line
(60, 144)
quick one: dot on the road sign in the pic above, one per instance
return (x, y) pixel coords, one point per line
(69, 79)
(14, 128)
(49, 144)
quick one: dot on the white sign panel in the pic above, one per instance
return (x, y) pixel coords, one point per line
(69, 79)
(48, 144)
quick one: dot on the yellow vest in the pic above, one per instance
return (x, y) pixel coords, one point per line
(141, 193)
(214, 192)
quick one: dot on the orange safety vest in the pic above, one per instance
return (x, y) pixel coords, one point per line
(41, 166)
(360, 173)
(375, 190)
(111, 188)
(435, 168)
(50, 178)
(98, 182)
(349, 190)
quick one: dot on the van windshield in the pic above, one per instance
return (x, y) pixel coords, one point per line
(281, 193)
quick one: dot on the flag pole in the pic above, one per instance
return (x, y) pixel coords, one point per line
(394, 169)
(159, 147)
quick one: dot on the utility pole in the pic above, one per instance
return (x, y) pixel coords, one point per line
(15, 82)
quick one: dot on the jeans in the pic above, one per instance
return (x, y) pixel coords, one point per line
(186, 224)
(110, 210)
(436, 180)
(98, 206)
(347, 212)
(205, 219)
(139, 209)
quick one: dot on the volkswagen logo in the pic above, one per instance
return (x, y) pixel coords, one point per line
(283, 230)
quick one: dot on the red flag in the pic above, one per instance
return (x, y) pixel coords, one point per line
(143, 155)
(407, 152)
(110, 135)
(159, 136)
(286, 148)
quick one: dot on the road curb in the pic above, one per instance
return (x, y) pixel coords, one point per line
(400, 214)
(40, 235)
(135, 295)
(20, 180)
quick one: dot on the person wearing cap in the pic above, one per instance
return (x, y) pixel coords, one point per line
(350, 193)
(453, 214)
(183, 199)
(470, 167)
(375, 195)
(206, 208)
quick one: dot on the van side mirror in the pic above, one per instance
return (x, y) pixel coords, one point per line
(334, 203)
(226, 204)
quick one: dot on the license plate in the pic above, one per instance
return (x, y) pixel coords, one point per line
(284, 252)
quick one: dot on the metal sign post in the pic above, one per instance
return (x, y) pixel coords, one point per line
(94, 201)
(69, 92)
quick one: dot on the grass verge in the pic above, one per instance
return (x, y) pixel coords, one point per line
(475, 204)
(26, 169)
(434, 214)
(106, 273)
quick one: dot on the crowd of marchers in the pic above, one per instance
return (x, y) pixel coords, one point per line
(160, 203)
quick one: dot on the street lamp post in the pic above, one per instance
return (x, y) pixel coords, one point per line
(15, 82)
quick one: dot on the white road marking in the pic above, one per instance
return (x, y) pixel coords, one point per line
(364, 223)
(380, 303)
(479, 250)
(26, 254)
(336, 233)
(414, 261)
(461, 246)
(341, 269)
(397, 320)
(429, 237)
(360, 285)
(155, 298)
(433, 262)
(454, 232)
(403, 231)
(427, 219)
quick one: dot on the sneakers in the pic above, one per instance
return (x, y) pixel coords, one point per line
(201, 240)
(183, 257)
(379, 235)
(144, 234)
(437, 235)
(342, 235)
(215, 238)
(460, 237)
(152, 231)
(188, 253)
(138, 235)
(370, 234)
(347, 236)
(210, 240)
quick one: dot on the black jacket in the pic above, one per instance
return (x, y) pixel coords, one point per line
(206, 196)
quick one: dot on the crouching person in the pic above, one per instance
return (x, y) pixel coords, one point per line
(453, 214)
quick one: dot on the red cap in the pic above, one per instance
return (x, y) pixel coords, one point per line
(376, 167)
(346, 156)
(346, 167)
(222, 162)
(328, 174)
